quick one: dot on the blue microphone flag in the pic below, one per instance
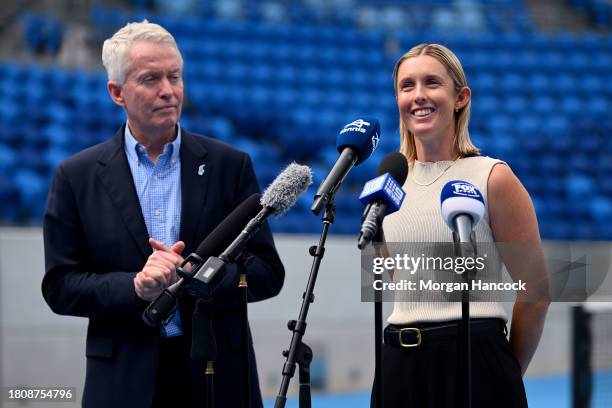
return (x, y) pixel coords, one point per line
(362, 135)
(386, 189)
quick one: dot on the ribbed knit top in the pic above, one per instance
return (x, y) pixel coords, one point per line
(420, 220)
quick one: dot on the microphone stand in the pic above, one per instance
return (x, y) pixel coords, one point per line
(378, 340)
(378, 400)
(209, 373)
(205, 353)
(241, 262)
(464, 239)
(299, 352)
(244, 330)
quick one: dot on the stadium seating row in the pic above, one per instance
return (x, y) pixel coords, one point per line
(282, 91)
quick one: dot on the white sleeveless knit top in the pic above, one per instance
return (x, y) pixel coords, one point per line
(420, 220)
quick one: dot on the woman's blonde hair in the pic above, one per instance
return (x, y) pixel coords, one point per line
(462, 144)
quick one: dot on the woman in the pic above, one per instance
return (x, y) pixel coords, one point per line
(434, 108)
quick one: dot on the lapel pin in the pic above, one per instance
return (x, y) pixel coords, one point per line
(201, 169)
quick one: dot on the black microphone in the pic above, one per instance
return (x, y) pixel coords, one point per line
(382, 195)
(213, 244)
(278, 198)
(355, 143)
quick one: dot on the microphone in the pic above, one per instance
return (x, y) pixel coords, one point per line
(277, 199)
(355, 143)
(382, 195)
(462, 207)
(213, 244)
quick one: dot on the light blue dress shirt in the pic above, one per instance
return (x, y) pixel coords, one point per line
(159, 192)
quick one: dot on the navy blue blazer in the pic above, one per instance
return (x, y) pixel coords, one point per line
(96, 241)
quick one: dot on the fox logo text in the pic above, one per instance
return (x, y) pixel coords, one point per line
(465, 189)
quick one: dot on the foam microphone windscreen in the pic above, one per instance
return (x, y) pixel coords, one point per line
(361, 135)
(225, 233)
(286, 187)
(396, 164)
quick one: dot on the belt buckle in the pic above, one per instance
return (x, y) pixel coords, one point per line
(410, 330)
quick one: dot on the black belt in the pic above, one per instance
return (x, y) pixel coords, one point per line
(414, 336)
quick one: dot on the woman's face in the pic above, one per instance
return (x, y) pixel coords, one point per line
(426, 98)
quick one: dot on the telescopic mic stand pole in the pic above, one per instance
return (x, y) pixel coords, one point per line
(210, 376)
(378, 340)
(378, 401)
(464, 239)
(204, 345)
(244, 331)
(299, 352)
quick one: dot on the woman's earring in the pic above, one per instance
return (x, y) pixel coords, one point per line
(456, 109)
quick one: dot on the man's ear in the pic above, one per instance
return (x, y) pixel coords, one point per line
(115, 92)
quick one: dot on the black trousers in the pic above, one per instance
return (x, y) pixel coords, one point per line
(174, 387)
(431, 376)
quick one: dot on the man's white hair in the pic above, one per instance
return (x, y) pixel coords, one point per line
(115, 50)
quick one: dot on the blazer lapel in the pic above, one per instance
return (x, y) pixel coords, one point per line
(194, 186)
(116, 177)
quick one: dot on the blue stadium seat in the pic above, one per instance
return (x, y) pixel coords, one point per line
(600, 208)
(580, 185)
(486, 105)
(501, 60)
(510, 82)
(500, 125)
(572, 105)
(516, 104)
(601, 62)
(551, 163)
(262, 97)
(10, 112)
(598, 105)
(58, 113)
(564, 84)
(484, 81)
(552, 61)
(529, 126)
(8, 157)
(538, 83)
(9, 198)
(57, 134)
(581, 162)
(221, 128)
(578, 61)
(543, 104)
(526, 61)
(32, 191)
(556, 124)
(52, 156)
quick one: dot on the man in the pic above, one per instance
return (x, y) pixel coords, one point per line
(120, 214)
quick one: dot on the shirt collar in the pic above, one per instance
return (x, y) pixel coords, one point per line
(132, 145)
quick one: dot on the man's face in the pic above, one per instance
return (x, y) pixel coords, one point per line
(152, 93)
